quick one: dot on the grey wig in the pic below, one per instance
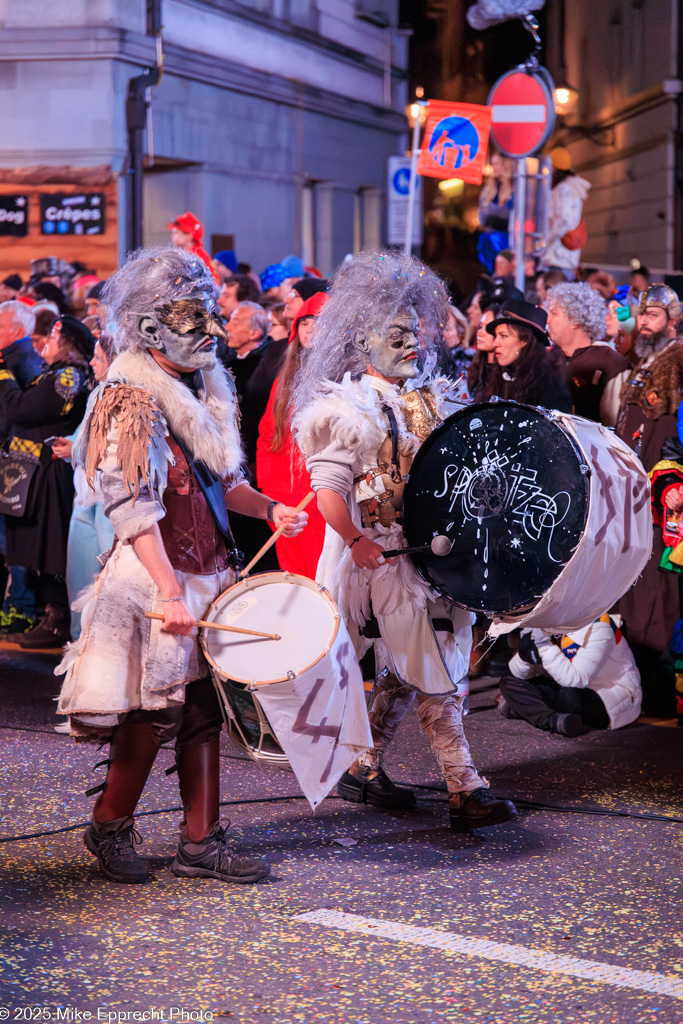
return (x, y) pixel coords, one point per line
(582, 305)
(367, 290)
(149, 278)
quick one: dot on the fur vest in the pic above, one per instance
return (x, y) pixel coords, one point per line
(207, 425)
(658, 388)
(350, 414)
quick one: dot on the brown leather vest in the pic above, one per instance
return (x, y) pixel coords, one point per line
(191, 538)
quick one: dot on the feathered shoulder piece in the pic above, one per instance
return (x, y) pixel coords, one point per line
(448, 395)
(348, 413)
(142, 452)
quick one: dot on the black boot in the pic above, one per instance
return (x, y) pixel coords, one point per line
(217, 856)
(113, 843)
(378, 791)
(566, 725)
(479, 809)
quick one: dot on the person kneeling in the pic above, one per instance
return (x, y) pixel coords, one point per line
(585, 680)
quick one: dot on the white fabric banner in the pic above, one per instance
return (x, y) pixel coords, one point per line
(320, 718)
(615, 545)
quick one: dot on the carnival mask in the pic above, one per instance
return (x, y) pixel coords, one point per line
(392, 349)
(185, 331)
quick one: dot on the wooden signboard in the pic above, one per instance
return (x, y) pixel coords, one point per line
(13, 215)
(61, 188)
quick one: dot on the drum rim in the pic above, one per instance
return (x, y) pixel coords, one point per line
(552, 416)
(310, 584)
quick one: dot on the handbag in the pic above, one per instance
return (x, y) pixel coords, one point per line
(17, 473)
(576, 238)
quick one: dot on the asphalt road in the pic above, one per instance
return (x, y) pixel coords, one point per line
(558, 917)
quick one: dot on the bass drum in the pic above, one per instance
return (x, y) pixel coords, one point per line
(305, 618)
(548, 515)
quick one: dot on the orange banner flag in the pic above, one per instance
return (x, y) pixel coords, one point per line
(455, 141)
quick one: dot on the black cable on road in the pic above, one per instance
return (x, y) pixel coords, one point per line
(531, 804)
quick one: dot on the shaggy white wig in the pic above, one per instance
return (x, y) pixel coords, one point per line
(365, 291)
(582, 305)
(150, 278)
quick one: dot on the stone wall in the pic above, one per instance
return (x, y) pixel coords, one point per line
(261, 106)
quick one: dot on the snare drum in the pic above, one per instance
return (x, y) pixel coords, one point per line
(548, 514)
(306, 619)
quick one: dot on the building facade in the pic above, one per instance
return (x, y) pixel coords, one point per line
(273, 119)
(624, 58)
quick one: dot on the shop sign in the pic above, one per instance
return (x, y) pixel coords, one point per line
(64, 214)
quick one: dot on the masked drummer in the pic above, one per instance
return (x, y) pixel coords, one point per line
(363, 404)
(161, 435)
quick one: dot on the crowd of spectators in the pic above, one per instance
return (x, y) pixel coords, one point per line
(573, 340)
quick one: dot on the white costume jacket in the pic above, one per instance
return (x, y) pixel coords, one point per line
(596, 656)
(344, 435)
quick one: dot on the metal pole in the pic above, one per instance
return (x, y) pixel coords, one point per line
(412, 186)
(520, 221)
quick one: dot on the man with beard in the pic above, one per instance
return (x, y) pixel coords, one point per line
(649, 407)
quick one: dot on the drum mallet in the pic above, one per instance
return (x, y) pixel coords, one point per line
(439, 545)
(271, 540)
(218, 625)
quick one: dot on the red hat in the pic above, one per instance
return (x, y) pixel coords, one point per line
(311, 307)
(189, 224)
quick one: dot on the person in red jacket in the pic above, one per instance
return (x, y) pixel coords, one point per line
(280, 468)
(187, 233)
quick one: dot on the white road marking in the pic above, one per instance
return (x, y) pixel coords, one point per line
(519, 113)
(521, 956)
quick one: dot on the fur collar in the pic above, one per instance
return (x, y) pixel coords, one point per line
(350, 414)
(208, 426)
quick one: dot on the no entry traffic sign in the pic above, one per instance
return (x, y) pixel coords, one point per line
(522, 112)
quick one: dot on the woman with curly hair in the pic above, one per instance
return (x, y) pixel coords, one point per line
(521, 350)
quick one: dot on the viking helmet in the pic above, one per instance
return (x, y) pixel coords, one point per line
(664, 297)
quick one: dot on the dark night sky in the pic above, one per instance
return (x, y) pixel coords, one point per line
(504, 46)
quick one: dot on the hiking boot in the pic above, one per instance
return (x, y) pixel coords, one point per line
(378, 791)
(217, 856)
(479, 809)
(51, 631)
(113, 843)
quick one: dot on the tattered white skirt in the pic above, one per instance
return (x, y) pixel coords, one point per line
(404, 606)
(122, 660)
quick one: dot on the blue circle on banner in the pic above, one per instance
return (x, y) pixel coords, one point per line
(401, 181)
(454, 143)
(48, 227)
(62, 227)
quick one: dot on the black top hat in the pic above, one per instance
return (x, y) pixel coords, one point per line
(514, 311)
(77, 335)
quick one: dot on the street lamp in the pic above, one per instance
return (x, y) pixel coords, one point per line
(417, 111)
(566, 99)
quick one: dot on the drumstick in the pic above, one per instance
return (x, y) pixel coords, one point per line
(278, 533)
(218, 625)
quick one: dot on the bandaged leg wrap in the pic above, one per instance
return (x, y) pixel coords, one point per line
(391, 702)
(441, 719)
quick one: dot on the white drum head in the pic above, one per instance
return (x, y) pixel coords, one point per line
(294, 607)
